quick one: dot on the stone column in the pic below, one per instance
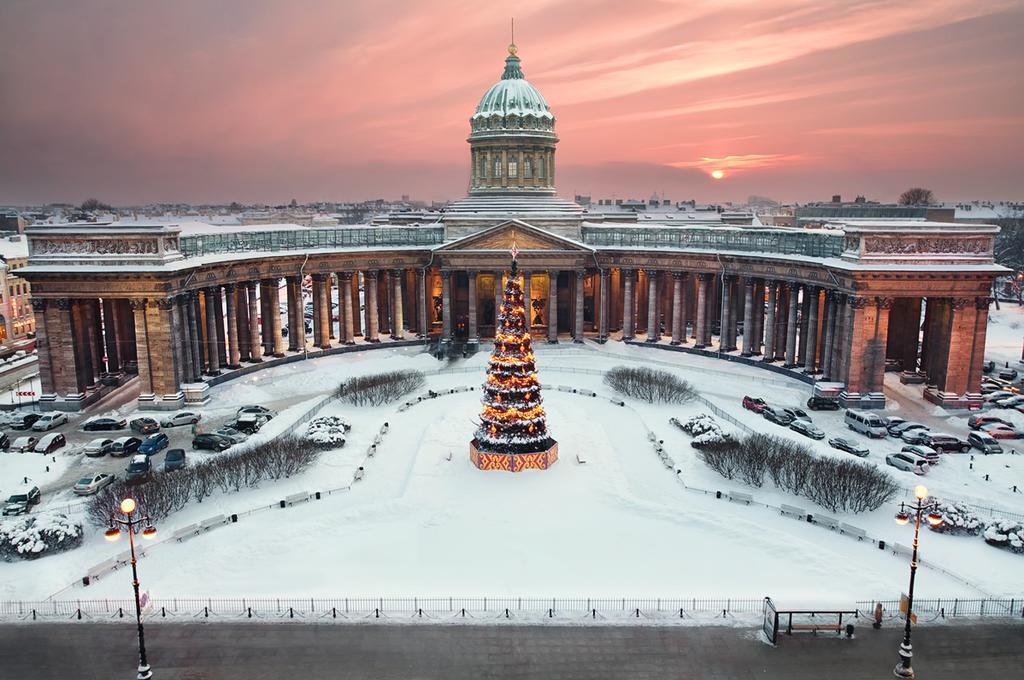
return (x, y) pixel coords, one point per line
(769, 322)
(702, 310)
(180, 342)
(266, 332)
(757, 338)
(727, 341)
(146, 393)
(296, 325)
(324, 317)
(829, 334)
(160, 343)
(189, 305)
(255, 346)
(421, 302)
(370, 290)
(499, 297)
(748, 316)
(184, 344)
(678, 313)
(805, 311)
(383, 302)
(446, 306)
(62, 355)
(627, 304)
(218, 305)
(231, 304)
(813, 294)
(653, 331)
(578, 325)
(357, 327)
(397, 312)
(244, 339)
(841, 353)
(110, 336)
(602, 327)
(213, 356)
(791, 326)
(348, 331)
(527, 298)
(473, 330)
(552, 306)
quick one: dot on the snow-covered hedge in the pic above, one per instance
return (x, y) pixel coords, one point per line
(34, 536)
(648, 384)
(379, 388)
(328, 432)
(957, 519)
(1008, 534)
(705, 430)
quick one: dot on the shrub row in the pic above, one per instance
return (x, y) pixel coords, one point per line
(379, 388)
(34, 536)
(647, 384)
(834, 484)
(704, 429)
(1007, 534)
(168, 492)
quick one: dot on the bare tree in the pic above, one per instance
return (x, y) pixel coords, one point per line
(917, 196)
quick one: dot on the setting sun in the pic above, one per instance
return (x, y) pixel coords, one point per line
(718, 174)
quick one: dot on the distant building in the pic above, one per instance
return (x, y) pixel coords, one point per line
(818, 214)
(16, 317)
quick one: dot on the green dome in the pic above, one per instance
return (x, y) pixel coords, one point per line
(513, 95)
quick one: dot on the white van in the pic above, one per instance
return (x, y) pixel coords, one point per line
(866, 423)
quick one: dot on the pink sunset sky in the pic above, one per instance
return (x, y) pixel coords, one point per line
(260, 100)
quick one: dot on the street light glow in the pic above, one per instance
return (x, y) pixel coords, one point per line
(128, 506)
(921, 492)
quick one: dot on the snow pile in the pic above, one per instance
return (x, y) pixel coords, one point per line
(328, 432)
(705, 430)
(957, 519)
(1004, 533)
(34, 536)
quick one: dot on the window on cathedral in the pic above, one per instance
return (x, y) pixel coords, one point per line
(481, 167)
(497, 168)
(540, 167)
(513, 168)
(527, 168)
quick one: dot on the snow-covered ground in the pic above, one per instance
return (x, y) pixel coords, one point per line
(1004, 338)
(424, 521)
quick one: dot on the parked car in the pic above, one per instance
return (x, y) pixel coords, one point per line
(777, 415)
(898, 430)
(250, 423)
(985, 443)
(125, 446)
(868, 424)
(807, 428)
(131, 367)
(138, 470)
(823, 404)
(944, 443)
(916, 435)
(48, 421)
(174, 459)
(1000, 431)
(994, 394)
(87, 486)
(1008, 373)
(23, 444)
(892, 421)
(978, 419)
(145, 425)
(98, 447)
(988, 366)
(211, 442)
(104, 423)
(110, 379)
(49, 443)
(154, 443)
(5, 441)
(908, 462)
(755, 404)
(23, 421)
(259, 410)
(797, 413)
(21, 502)
(848, 445)
(181, 418)
(926, 452)
(231, 433)
(1009, 402)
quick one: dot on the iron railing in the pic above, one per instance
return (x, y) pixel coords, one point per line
(775, 241)
(199, 245)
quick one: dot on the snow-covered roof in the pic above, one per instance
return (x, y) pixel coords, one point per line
(14, 248)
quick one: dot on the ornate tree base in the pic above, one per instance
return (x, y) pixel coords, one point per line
(513, 462)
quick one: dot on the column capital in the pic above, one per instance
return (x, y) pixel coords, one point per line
(211, 290)
(960, 303)
(884, 302)
(251, 285)
(472, 273)
(626, 271)
(230, 287)
(371, 274)
(318, 276)
(729, 277)
(271, 281)
(982, 302)
(345, 276)
(793, 285)
(135, 303)
(445, 274)
(858, 301)
(679, 276)
(704, 276)
(580, 274)
(38, 304)
(164, 304)
(396, 272)
(811, 289)
(748, 281)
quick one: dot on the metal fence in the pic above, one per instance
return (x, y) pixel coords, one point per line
(310, 239)
(953, 607)
(781, 241)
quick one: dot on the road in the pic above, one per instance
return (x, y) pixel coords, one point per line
(222, 651)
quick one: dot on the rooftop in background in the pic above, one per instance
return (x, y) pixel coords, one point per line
(13, 247)
(822, 212)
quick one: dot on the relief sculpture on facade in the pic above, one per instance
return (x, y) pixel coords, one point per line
(907, 246)
(93, 247)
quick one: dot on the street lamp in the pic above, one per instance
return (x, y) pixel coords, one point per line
(934, 518)
(149, 531)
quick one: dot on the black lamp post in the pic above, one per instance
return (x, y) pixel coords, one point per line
(149, 531)
(903, 668)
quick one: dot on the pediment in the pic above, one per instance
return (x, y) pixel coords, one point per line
(526, 237)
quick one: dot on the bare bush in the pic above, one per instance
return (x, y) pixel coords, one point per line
(647, 384)
(379, 388)
(168, 492)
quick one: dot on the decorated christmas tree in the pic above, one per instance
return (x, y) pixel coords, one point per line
(513, 433)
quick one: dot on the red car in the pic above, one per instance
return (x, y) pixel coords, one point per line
(1000, 431)
(755, 404)
(976, 421)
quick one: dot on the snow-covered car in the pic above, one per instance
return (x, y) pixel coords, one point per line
(1010, 402)
(818, 403)
(211, 442)
(87, 486)
(23, 444)
(755, 404)
(978, 419)
(907, 462)
(181, 418)
(98, 447)
(848, 445)
(995, 394)
(154, 443)
(23, 421)
(918, 435)
(1000, 431)
(144, 425)
(892, 421)
(48, 421)
(100, 423)
(922, 451)
(231, 433)
(777, 415)
(50, 442)
(258, 410)
(250, 423)
(21, 502)
(984, 442)
(807, 429)
(174, 459)
(5, 441)
(797, 413)
(906, 426)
